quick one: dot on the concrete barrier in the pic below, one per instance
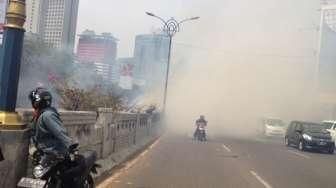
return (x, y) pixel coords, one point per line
(14, 145)
(114, 136)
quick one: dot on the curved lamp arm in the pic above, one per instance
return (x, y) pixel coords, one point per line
(189, 19)
(155, 16)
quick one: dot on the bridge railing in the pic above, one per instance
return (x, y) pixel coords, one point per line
(113, 135)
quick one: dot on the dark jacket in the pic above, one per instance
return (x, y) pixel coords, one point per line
(201, 121)
(49, 132)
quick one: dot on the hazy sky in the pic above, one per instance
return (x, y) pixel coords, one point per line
(261, 25)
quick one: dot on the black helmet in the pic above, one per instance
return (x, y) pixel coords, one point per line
(40, 98)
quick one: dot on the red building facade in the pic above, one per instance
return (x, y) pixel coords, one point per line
(94, 48)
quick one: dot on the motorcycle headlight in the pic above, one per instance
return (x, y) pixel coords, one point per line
(39, 171)
(307, 137)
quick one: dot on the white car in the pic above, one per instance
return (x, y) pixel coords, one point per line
(274, 127)
(330, 125)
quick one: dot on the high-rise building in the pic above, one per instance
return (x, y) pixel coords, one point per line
(100, 50)
(96, 48)
(58, 22)
(327, 60)
(328, 16)
(32, 23)
(327, 57)
(327, 2)
(151, 57)
(3, 8)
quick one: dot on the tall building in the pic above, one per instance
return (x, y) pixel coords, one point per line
(96, 48)
(100, 50)
(151, 57)
(58, 22)
(328, 16)
(327, 56)
(327, 2)
(3, 8)
(34, 9)
(327, 59)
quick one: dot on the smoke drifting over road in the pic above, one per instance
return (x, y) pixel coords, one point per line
(235, 96)
(254, 62)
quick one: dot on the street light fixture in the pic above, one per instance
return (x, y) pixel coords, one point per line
(150, 14)
(195, 18)
(170, 27)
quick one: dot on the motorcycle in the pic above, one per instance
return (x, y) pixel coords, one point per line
(51, 170)
(200, 134)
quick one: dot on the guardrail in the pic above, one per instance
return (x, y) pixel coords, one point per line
(113, 135)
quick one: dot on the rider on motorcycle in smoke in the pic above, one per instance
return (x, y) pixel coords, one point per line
(49, 134)
(200, 122)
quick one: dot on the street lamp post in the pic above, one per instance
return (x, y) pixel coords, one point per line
(170, 27)
(10, 60)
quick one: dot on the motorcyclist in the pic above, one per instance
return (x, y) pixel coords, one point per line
(200, 122)
(49, 134)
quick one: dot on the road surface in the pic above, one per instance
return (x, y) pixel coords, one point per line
(179, 162)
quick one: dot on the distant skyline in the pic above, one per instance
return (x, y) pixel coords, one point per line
(229, 24)
(125, 19)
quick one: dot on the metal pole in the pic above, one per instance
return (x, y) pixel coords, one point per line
(171, 27)
(10, 60)
(318, 53)
(167, 75)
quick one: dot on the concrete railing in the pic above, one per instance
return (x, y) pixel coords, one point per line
(114, 136)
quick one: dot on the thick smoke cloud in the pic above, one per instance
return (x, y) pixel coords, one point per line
(243, 60)
(246, 60)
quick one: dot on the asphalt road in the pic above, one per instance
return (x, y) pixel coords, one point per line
(178, 162)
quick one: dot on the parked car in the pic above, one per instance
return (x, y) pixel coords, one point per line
(274, 127)
(330, 125)
(308, 135)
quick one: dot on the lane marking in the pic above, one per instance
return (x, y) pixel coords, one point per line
(155, 143)
(299, 154)
(226, 148)
(106, 183)
(144, 153)
(262, 181)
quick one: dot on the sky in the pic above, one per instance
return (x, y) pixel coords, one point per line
(238, 25)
